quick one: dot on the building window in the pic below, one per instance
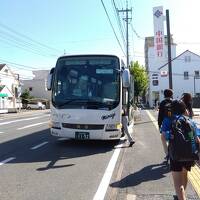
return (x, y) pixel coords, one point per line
(30, 89)
(154, 76)
(187, 58)
(196, 73)
(155, 82)
(186, 75)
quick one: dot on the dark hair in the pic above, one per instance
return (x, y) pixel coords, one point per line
(186, 98)
(178, 107)
(168, 93)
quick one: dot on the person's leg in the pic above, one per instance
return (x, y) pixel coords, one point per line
(125, 127)
(178, 184)
(184, 178)
(164, 143)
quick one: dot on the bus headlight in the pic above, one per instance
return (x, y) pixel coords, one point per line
(113, 127)
(55, 125)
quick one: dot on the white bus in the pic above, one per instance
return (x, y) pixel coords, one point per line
(88, 93)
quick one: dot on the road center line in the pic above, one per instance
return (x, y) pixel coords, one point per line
(19, 120)
(38, 146)
(100, 194)
(32, 125)
(7, 160)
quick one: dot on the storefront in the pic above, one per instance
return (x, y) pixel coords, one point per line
(3, 102)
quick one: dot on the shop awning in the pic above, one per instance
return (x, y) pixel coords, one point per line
(3, 95)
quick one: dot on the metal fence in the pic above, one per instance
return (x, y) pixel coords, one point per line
(196, 102)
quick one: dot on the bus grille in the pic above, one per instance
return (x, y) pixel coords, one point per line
(83, 126)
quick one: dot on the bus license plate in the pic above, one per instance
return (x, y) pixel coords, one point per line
(82, 135)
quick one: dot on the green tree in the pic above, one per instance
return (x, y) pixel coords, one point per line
(140, 79)
(25, 96)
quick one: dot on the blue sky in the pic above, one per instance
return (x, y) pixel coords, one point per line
(78, 27)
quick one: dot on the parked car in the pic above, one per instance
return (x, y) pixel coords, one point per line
(37, 105)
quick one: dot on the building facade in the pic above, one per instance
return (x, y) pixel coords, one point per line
(38, 85)
(152, 66)
(9, 90)
(185, 75)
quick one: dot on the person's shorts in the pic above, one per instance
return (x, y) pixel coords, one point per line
(178, 166)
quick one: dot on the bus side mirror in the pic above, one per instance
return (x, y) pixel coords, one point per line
(49, 79)
(126, 78)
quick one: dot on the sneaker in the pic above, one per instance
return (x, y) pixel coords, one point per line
(131, 143)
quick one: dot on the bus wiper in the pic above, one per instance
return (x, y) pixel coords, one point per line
(95, 102)
(68, 101)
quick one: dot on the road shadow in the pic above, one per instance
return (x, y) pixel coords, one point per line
(54, 151)
(148, 173)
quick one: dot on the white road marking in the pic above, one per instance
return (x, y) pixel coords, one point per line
(19, 120)
(38, 146)
(101, 191)
(7, 160)
(1, 132)
(32, 125)
(153, 119)
(100, 194)
(63, 139)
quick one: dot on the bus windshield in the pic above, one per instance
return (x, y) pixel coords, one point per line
(92, 82)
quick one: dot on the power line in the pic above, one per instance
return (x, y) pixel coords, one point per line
(112, 27)
(175, 74)
(173, 59)
(28, 38)
(119, 22)
(188, 43)
(13, 63)
(12, 40)
(138, 36)
(23, 48)
(121, 3)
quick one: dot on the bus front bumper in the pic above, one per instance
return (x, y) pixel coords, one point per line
(86, 135)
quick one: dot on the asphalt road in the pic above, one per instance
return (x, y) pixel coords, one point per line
(35, 165)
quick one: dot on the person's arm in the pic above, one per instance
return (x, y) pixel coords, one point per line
(166, 128)
(160, 115)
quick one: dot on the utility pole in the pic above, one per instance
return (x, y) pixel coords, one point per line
(169, 50)
(126, 19)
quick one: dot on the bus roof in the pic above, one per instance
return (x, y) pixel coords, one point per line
(82, 55)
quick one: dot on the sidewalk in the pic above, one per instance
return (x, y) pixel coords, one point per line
(143, 175)
(196, 111)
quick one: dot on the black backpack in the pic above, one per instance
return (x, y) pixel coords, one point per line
(168, 108)
(182, 144)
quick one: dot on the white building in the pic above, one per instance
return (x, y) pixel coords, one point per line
(152, 66)
(37, 86)
(9, 89)
(185, 75)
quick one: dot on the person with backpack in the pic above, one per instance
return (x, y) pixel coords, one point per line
(187, 99)
(184, 140)
(165, 111)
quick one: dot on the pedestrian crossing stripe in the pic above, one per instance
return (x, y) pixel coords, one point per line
(194, 175)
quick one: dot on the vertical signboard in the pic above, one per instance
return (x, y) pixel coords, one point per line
(159, 38)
